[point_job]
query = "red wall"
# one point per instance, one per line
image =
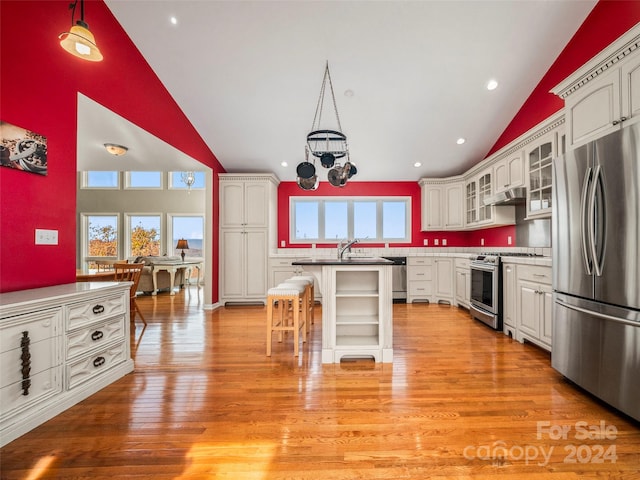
(39, 83)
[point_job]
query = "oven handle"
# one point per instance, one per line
(484, 267)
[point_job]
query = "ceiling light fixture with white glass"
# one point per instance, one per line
(79, 41)
(115, 149)
(460, 141)
(492, 84)
(326, 144)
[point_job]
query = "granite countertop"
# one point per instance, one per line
(344, 261)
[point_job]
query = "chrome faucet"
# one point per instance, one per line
(347, 246)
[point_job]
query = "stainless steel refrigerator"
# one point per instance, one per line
(596, 268)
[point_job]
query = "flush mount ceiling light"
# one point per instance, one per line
(460, 141)
(79, 41)
(115, 149)
(326, 144)
(492, 84)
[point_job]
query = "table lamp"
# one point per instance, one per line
(182, 244)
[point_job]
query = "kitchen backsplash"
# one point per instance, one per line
(408, 251)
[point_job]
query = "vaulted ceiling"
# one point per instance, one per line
(409, 76)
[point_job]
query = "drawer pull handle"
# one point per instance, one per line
(97, 335)
(98, 362)
(98, 309)
(420, 274)
(25, 341)
(539, 275)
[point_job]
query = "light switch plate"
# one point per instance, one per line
(46, 237)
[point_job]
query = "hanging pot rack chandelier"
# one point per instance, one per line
(328, 145)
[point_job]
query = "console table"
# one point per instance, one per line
(172, 268)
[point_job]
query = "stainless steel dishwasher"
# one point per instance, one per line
(399, 278)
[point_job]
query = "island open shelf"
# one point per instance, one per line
(357, 308)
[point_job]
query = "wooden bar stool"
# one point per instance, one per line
(308, 300)
(281, 298)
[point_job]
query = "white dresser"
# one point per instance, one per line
(59, 345)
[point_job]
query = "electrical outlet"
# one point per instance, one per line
(482, 242)
(46, 237)
(509, 242)
(444, 242)
(436, 242)
(283, 243)
(426, 241)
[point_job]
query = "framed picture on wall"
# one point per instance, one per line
(22, 149)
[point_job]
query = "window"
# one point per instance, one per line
(175, 181)
(143, 235)
(99, 238)
(99, 179)
(151, 180)
(191, 228)
(331, 219)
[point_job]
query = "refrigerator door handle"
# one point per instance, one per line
(604, 316)
(584, 221)
(597, 265)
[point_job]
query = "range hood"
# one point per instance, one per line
(511, 196)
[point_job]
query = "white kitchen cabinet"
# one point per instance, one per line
(247, 235)
(420, 277)
(430, 279)
(479, 215)
(534, 305)
(245, 201)
(59, 345)
(463, 282)
(243, 265)
(509, 172)
(442, 204)
(539, 157)
(509, 303)
(604, 94)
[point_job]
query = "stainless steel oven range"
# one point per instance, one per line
(486, 289)
(486, 286)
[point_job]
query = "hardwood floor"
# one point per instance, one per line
(459, 401)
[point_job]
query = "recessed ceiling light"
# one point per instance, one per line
(349, 93)
(492, 84)
(460, 141)
(284, 164)
(173, 20)
(417, 164)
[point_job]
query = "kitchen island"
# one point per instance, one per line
(357, 310)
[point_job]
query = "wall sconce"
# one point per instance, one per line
(115, 149)
(79, 41)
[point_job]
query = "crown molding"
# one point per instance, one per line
(601, 63)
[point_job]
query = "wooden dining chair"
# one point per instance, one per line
(130, 272)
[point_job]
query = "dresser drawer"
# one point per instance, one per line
(40, 325)
(85, 313)
(420, 273)
(86, 368)
(86, 339)
(43, 385)
(43, 355)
